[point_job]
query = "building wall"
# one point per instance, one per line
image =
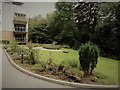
(8, 35)
(8, 16)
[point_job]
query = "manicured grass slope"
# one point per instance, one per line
(59, 56)
(105, 66)
(108, 67)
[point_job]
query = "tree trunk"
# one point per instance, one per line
(86, 73)
(91, 72)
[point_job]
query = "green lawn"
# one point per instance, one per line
(105, 67)
(108, 67)
(59, 56)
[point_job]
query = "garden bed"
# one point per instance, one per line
(62, 75)
(65, 66)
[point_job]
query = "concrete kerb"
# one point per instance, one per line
(57, 81)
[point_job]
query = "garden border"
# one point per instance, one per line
(61, 82)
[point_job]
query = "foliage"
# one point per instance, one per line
(88, 55)
(63, 24)
(39, 31)
(32, 56)
(86, 20)
(108, 30)
(6, 46)
(36, 45)
(51, 46)
(61, 67)
(5, 41)
(65, 46)
(71, 63)
(75, 23)
(13, 46)
(39, 67)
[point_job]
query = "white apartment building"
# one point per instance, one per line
(14, 22)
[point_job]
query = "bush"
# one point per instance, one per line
(6, 46)
(43, 65)
(5, 41)
(37, 45)
(65, 46)
(32, 55)
(61, 65)
(14, 46)
(39, 67)
(51, 46)
(88, 55)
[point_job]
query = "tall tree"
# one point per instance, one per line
(108, 30)
(39, 29)
(86, 19)
(64, 24)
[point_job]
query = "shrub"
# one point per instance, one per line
(37, 45)
(5, 41)
(51, 46)
(61, 65)
(43, 65)
(65, 46)
(6, 46)
(32, 55)
(88, 55)
(39, 67)
(14, 46)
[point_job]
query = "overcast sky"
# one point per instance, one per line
(36, 8)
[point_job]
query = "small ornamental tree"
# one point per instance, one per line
(32, 55)
(88, 55)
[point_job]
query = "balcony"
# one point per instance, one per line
(20, 19)
(19, 31)
(20, 40)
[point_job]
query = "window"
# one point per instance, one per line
(20, 38)
(20, 27)
(20, 14)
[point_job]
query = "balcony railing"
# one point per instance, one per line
(20, 18)
(20, 40)
(19, 30)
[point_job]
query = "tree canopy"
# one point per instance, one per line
(76, 23)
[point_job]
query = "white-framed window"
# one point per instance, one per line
(20, 38)
(20, 27)
(19, 14)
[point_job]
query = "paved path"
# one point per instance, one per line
(13, 78)
(41, 48)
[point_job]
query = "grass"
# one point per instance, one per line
(107, 69)
(59, 56)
